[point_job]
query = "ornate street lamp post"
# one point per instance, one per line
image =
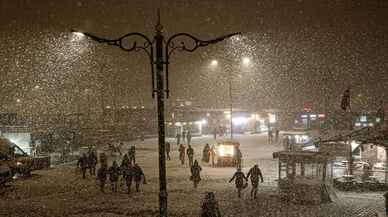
(159, 44)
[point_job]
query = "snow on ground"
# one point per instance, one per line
(61, 191)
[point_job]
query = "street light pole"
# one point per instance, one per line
(161, 135)
(231, 105)
(159, 61)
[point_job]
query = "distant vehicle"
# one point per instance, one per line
(343, 163)
(379, 166)
(226, 152)
(360, 164)
(18, 161)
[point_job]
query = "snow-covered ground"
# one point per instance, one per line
(61, 191)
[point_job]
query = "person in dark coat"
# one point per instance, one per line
(132, 154)
(125, 162)
(182, 154)
(103, 159)
(188, 137)
(238, 157)
(195, 173)
(255, 174)
(83, 164)
(92, 161)
(277, 135)
(210, 206)
(190, 155)
(102, 175)
(167, 148)
(206, 153)
(138, 175)
(128, 175)
(184, 136)
(240, 181)
(270, 136)
(114, 173)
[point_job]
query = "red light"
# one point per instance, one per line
(307, 109)
(321, 115)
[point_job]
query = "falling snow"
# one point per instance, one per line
(291, 56)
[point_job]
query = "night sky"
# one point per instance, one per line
(303, 53)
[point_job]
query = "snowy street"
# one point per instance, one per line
(62, 192)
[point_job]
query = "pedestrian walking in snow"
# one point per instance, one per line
(240, 181)
(206, 153)
(167, 148)
(132, 154)
(277, 135)
(138, 175)
(184, 136)
(190, 155)
(83, 164)
(92, 162)
(195, 173)
(188, 137)
(102, 175)
(270, 136)
(215, 133)
(125, 162)
(255, 175)
(238, 157)
(103, 159)
(114, 173)
(128, 175)
(210, 206)
(182, 154)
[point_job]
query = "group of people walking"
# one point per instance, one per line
(129, 170)
(241, 181)
(184, 137)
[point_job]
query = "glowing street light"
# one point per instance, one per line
(214, 63)
(246, 60)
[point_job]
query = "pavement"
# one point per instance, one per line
(61, 191)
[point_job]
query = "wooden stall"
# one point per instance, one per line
(302, 176)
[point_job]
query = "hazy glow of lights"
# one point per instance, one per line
(240, 121)
(214, 63)
(272, 118)
(225, 150)
(18, 100)
(178, 124)
(246, 60)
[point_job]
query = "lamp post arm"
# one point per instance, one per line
(135, 46)
(171, 47)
